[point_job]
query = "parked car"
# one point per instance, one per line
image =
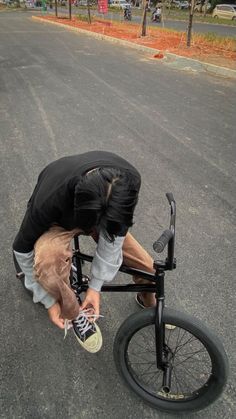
(175, 3)
(183, 5)
(180, 4)
(225, 11)
(83, 3)
(121, 4)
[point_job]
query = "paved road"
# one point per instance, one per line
(221, 30)
(64, 93)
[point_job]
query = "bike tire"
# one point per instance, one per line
(219, 361)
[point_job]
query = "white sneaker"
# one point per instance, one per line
(88, 334)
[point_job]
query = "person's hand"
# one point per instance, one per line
(91, 301)
(54, 313)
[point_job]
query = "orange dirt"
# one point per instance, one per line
(162, 40)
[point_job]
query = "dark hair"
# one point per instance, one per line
(106, 197)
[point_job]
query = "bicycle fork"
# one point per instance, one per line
(161, 351)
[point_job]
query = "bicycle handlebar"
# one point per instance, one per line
(168, 236)
(170, 197)
(163, 240)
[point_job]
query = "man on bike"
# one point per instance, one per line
(94, 194)
(156, 15)
(127, 12)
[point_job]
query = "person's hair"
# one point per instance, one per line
(106, 197)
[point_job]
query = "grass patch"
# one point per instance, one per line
(226, 43)
(210, 19)
(84, 18)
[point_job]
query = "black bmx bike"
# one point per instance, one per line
(168, 358)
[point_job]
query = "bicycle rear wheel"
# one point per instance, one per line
(197, 358)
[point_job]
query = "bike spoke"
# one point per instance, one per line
(179, 347)
(190, 362)
(177, 384)
(185, 343)
(156, 375)
(140, 355)
(142, 363)
(191, 357)
(186, 370)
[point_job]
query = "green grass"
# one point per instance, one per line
(84, 18)
(228, 43)
(210, 19)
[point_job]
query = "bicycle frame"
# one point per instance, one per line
(156, 285)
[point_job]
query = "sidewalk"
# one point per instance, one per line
(170, 59)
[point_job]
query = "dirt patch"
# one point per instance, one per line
(222, 54)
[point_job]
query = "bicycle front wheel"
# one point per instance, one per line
(199, 365)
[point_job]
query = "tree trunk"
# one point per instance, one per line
(169, 7)
(89, 14)
(190, 23)
(144, 19)
(205, 8)
(70, 9)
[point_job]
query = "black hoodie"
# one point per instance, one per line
(52, 201)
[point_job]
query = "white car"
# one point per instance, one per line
(225, 11)
(183, 5)
(121, 4)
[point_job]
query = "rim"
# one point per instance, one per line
(189, 358)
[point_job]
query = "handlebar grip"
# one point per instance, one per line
(170, 197)
(161, 243)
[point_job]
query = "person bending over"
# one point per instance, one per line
(94, 194)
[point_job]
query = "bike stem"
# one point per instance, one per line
(162, 361)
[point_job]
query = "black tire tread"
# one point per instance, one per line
(146, 317)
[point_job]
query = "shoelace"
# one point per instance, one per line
(81, 321)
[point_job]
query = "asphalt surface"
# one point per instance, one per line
(64, 93)
(218, 29)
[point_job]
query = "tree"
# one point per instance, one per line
(144, 18)
(89, 13)
(190, 22)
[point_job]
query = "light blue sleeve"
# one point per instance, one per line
(106, 262)
(26, 263)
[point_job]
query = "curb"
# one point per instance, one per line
(175, 61)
